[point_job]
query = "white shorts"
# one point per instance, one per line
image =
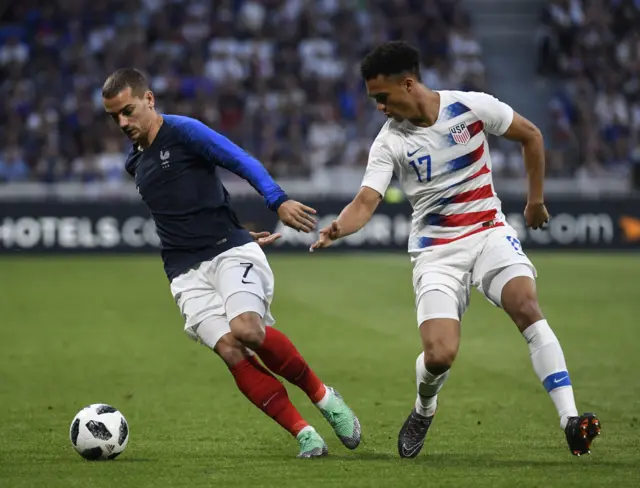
(473, 261)
(202, 293)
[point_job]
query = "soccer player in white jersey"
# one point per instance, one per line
(436, 143)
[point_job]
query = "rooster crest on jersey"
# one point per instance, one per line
(164, 159)
(460, 133)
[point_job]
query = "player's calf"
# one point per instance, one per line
(438, 360)
(280, 355)
(276, 350)
(262, 389)
(268, 394)
(515, 286)
(440, 334)
(519, 299)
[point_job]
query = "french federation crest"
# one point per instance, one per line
(164, 159)
(460, 133)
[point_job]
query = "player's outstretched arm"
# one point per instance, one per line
(353, 218)
(527, 134)
(217, 149)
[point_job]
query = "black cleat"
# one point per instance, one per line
(580, 432)
(412, 434)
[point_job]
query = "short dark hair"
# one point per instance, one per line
(391, 58)
(122, 79)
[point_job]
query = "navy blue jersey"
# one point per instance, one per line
(177, 179)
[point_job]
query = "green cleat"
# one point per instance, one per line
(311, 444)
(344, 422)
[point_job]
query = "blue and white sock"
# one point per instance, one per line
(549, 364)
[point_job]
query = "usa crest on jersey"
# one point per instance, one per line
(460, 133)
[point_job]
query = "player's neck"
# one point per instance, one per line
(153, 132)
(428, 108)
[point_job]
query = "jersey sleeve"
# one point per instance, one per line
(496, 115)
(379, 167)
(217, 149)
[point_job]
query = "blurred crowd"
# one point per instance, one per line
(591, 50)
(278, 77)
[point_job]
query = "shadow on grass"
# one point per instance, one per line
(442, 460)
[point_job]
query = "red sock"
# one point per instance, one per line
(268, 394)
(281, 356)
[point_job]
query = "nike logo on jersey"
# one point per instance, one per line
(409, 154)
(558, 380)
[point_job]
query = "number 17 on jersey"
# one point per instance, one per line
(422, 167)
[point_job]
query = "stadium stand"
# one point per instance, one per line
(591, 48)
(278, 77)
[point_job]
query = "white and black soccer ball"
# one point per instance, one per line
(99, 432)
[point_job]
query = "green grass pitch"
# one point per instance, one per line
(82, 330)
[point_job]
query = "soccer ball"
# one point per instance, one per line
(99, 432)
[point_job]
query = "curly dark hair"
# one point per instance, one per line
(121, 79)
(391, 58)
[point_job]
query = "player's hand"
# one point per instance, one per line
(297, 216)
(328, 236)
(265, 238)
(536, 215)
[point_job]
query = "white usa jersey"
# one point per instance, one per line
(444, 169)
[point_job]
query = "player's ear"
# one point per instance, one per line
(150, 98)
(408, 84)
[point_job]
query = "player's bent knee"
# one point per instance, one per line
(245, 312)
(230, 350)
(247, 328)
(440, 341)
(520, 301)
(439, 360)
(526, 312)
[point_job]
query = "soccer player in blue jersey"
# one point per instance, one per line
(219, 275)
